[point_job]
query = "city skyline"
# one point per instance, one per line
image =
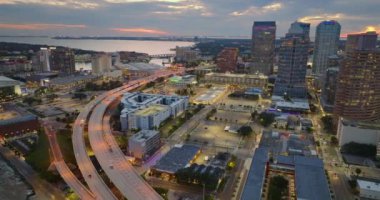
(177, 17)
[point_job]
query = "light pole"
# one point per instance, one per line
(204, 191)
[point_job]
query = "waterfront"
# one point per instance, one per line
(149, 47)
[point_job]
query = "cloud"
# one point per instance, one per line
(183, 7)
(313, 19)
(141, 31)
(40, 26)
(143, 1)
(76, 4)
(259, 10)
(368, 28)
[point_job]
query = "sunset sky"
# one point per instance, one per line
(225, 18)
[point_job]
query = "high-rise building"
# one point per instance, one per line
(62, 60)
(227, 59)
(44, 59)
(358, 89)
(363, 41)
(263, 41)
(329, 88)
(300, 28)
(101, 63)
(293, 57)
(326, 44)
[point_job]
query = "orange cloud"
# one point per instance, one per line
(141, 30)
(40, 26)
(370, 28)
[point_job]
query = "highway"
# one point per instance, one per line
(91, 176)
(126, 182)
(63, 169)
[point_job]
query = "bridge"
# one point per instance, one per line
(162, 56)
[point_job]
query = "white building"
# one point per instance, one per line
(143, 144)
(369, 189)
(359, 132)
(147, 111)
(101, 63)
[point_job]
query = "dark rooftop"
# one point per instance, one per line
(177, 158)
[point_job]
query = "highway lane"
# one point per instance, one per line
(91, 176)
(113, 161)
(96, 184)
(62, 167)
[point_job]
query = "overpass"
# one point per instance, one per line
(129, 181)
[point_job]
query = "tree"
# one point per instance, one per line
(334, 140)
(51, 97)
(266, 119)
(254, 114)
(328, 123)
(358, 171)
(245, 131)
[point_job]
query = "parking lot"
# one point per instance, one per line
(211, 134)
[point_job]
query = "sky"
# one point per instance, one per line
(218, 18)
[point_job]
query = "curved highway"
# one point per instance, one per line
(63, 169)
(126, 181)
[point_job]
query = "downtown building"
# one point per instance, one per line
(358, 87)
(101, 63)
(143, 144)
(53, 59)
(326, 45)
(147, 111)
(293, 57)
(227, 60)
(263, 45)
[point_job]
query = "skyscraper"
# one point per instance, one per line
(326, 44)
(358, 89)
(292, 62)
(227, 59)
(363, 41)
(62, 60)
(263, 41)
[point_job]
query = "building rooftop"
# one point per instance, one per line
(151, 110)
(306, 169)
(360, 124)
(256, 175)
(137, 66)
(261, 76)
(143, 135)
(8, 82)
(369, 185)
(293, 105)
(177, 158)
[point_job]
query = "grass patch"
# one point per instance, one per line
(162, 192)
(39, 158)
(65, 143)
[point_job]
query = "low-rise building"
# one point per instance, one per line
(17, 122)
(147, 111)
(359, 132)
(9, 86)
(183, 81)
(369, 189)
(180, 156)
(299, 169)
(144, 144)
(250, 80)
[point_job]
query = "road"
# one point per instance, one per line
(43, 190)
(91, 176)
(96, 184)
(62, 167)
